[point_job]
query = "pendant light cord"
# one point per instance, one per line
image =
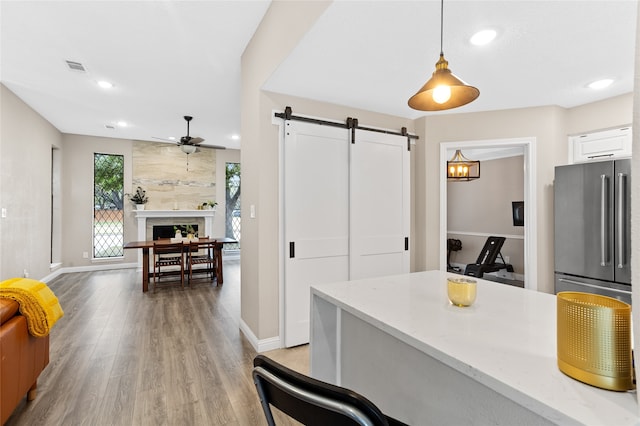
(441, 25)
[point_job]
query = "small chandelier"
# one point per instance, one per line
(461, 168)
(443, 90)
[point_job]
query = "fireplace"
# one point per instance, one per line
(169, 231)
(147, 219)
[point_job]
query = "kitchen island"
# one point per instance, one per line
(399, 342)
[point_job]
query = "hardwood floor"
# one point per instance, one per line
(176, 357)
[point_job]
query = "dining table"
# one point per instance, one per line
(146, 245)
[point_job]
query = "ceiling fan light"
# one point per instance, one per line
(188, 149)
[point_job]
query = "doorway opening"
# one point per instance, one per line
(527, 147)
(56, 209)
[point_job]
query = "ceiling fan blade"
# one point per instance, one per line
(212, 146)
(196, 140)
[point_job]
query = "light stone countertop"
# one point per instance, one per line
(506, 340)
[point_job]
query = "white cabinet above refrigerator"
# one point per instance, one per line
(597, 146)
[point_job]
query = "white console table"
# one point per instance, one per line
(400, 343)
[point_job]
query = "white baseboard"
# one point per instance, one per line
(231, 255)
(263, 345)
(88, 268)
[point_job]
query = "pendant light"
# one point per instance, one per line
(443, 90)
(461, 168)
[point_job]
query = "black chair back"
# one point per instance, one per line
(310, 401)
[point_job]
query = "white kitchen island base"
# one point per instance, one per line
(400, 343)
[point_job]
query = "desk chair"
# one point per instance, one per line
(310, 401)
(167, 255)
(201, 253)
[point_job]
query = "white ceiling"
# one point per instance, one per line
(173, 58)
(167, 59)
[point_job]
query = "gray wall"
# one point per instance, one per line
(26, 141)
(77, 196)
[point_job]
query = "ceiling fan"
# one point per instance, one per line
(187, 141)
(189, 144)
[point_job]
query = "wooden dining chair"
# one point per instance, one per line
(202, 253)
(166, 255)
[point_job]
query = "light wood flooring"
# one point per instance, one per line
(176, 357)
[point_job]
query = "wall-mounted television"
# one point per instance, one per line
(517, 210)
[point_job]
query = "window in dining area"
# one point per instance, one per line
(108, 196)
(232, 213)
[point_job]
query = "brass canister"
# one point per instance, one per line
(594, 340)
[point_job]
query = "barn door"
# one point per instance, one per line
(379, 205)
(316, 218)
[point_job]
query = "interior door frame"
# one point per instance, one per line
(530, 199)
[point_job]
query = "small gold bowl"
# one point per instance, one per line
(461, 291)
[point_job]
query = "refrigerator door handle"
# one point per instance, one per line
(621, 223)
(604, 210)
(615, 290)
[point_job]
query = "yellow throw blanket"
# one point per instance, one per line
(37, 302)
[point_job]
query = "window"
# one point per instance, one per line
(108, 195)
(232, 198)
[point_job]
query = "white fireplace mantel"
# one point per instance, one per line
(143, 215)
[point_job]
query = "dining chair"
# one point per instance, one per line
(166, 255)
(310, 401)
(202, 253)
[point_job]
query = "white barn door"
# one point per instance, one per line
(379, 205)
(316, 218)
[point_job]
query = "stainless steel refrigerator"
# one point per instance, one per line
(592, 228)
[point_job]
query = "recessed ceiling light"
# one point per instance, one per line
(122, 124)
(105, 84)
(235, 137)
(483, 37)
(173, 138)
(600, 84)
